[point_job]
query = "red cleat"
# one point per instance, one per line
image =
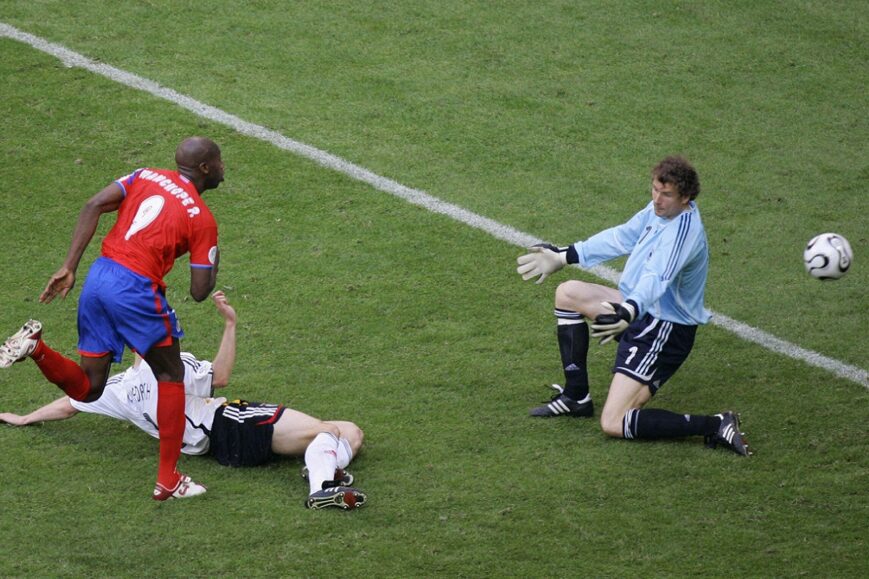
(21, 344)
(185, 489)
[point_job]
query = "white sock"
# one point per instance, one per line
(345, 452)
(321, 458)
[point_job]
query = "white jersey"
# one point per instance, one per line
(132, 396)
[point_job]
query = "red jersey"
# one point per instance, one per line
(161, 218)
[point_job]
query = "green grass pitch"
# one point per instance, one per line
(353, 304)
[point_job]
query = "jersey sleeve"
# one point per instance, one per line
(613, 242)
(678, 244)
(198, 376)
(203, 241)
(127, 180)
(106, 404)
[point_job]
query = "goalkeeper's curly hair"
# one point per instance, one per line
(678, 171)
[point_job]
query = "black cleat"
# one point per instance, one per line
(728, 435)
(347, 498)
(342, 477)
(561, 405)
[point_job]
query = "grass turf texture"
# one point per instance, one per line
(355, 305)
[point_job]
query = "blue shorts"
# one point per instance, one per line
(118, 308)
(651, 350)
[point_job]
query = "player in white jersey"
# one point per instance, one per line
(653, 315)
(235, 433)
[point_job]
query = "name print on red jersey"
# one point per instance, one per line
(170, 187)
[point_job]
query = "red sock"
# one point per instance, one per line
(170, 418)
(60, 370)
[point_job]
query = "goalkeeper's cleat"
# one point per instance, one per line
(561, 405)
(342, 477)
(347, 498)
(728, 435)
(21, 344)
(184, 489)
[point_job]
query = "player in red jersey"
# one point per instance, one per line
(161, 216)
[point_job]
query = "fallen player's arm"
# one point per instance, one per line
(60, 409)
(224, 361)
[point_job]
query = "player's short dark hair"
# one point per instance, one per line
(678, 171)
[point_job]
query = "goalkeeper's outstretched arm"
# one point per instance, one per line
(543, 260)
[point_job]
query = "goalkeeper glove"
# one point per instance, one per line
(616, 318)
(544, 259)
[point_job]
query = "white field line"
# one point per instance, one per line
(414, 196)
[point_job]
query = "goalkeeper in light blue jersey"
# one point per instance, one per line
(653, 315)
(665, 274)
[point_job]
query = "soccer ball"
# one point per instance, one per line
(828, 256)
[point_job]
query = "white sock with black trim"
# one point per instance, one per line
(321, 458)
(345, 452)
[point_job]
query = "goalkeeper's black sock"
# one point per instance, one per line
(573, 344)
(655, 423)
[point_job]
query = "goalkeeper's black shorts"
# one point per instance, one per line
(241, 434)
(651, 350)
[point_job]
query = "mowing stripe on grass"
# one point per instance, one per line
(415, 196)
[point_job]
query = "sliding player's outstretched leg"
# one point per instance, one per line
(21, 344)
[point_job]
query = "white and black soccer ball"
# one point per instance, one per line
(828, 256)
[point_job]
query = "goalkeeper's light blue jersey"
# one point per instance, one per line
(665, 274)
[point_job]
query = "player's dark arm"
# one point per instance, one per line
(203, 279)
(106, 201)
(60, 409)
(63, 280)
